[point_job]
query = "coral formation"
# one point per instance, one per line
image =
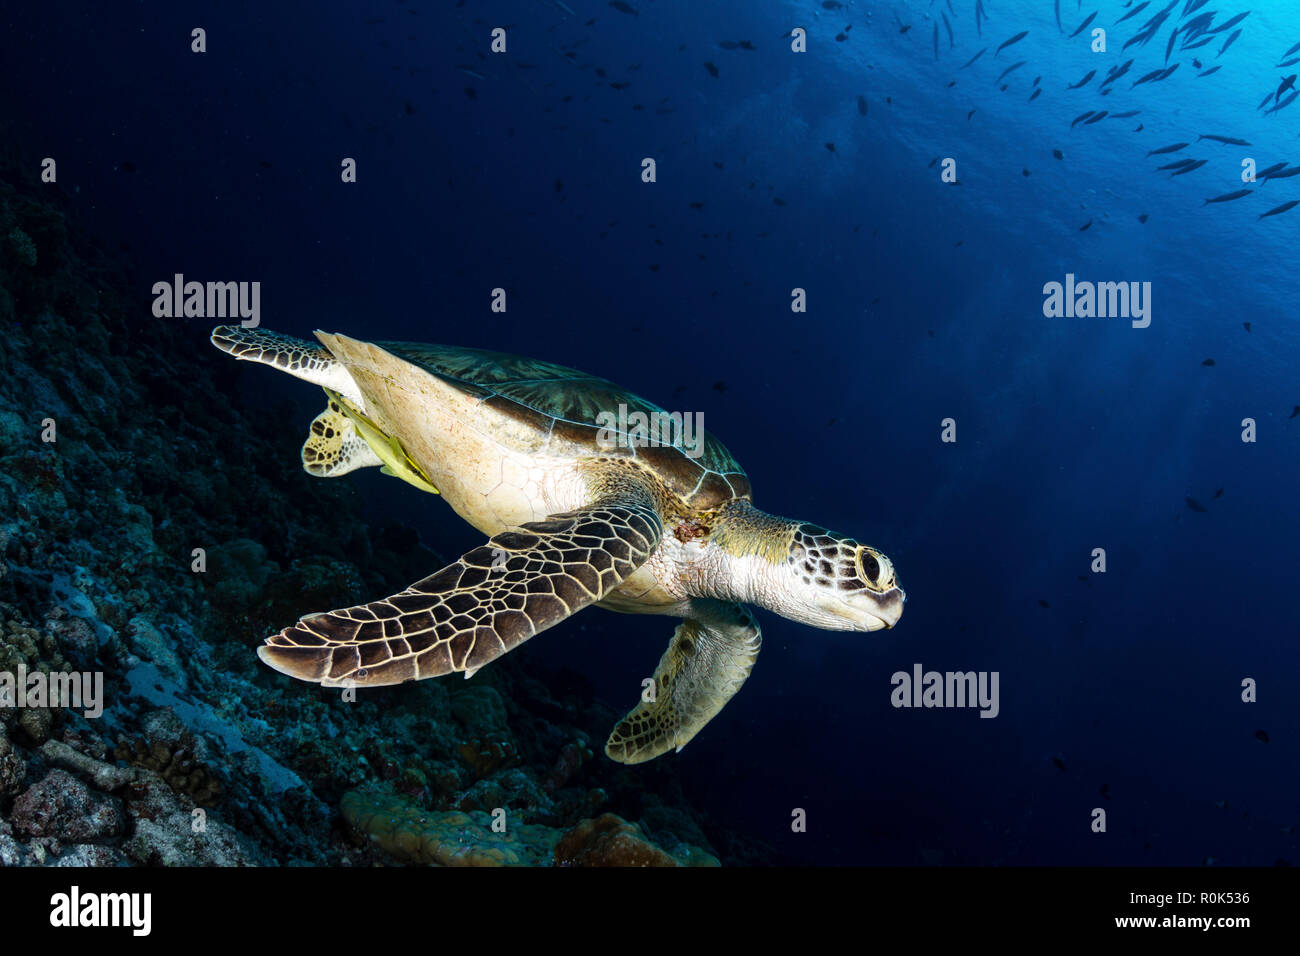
(573, 756)
(609, 840)
(62, 807)
(20, 643)
(21, 247)
(100, 775)
(175, 764)
(453, 838)
(480, 710)
(167, 832)
(480, 838)
(486, 757)
(13, 769)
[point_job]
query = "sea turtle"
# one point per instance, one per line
(581, 505)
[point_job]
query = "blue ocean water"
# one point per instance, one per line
(523, 170)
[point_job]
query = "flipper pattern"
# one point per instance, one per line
(476, 609)
(707, 661)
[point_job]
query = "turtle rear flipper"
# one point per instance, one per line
(707, 661)
(473, 611)
(333, 447)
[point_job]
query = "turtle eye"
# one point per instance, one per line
(868, 566)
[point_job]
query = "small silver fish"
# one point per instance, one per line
(1116, 73)
(1148, 78)
(1228, 197)
(1011, 68)
(1228, 25)
(1277, 211)
(1135, 11)
(1285, 103)
(1286, 173)
(1015, 39)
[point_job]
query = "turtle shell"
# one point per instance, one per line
(588, 416)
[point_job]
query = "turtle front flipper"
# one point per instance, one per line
(707, 661)
(473, 611)
(305, 360)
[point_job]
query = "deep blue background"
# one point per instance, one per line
(925, 302)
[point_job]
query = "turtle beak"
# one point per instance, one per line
(886, 608)
(866, 611)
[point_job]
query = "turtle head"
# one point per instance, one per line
(806, 573)
(838, 584)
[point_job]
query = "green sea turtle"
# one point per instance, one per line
(554, 466)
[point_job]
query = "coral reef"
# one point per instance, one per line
(62, 807)
(453, 838)
(175, 763)
(480, 838)
(610, 840)
(20, 246)
(572, 757)
(100, 775)
(13, 769)
(486, 757)
(166, 831)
